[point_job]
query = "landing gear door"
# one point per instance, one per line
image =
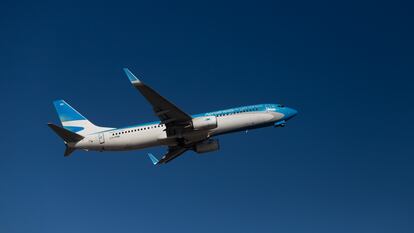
(101, 138)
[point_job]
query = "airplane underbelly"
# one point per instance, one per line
(235, 122)
(144, 140)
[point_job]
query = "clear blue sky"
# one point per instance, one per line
(344, 164)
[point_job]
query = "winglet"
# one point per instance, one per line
(131, 76)
(154, 160)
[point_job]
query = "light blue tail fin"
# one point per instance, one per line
(73, 121)
(66, 112)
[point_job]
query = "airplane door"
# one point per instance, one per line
(101, 138)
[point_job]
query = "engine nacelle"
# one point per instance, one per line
(207, 146)
(205, 122)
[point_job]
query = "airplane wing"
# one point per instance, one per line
(173, 152)
(169, 114)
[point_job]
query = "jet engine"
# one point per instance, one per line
(207, 146)
(206, 122)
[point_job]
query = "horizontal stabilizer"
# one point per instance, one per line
(65, 134)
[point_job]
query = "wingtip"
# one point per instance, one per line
(132, 78)
(154, 160)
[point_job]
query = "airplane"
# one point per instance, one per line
(176, 129)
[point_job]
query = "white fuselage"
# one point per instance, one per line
(154, 134)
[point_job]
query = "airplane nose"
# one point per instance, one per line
(289, 113)
(294, 112)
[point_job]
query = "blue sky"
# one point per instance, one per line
(344, 164)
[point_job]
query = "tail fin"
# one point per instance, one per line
(73, 121)
(67, 136)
